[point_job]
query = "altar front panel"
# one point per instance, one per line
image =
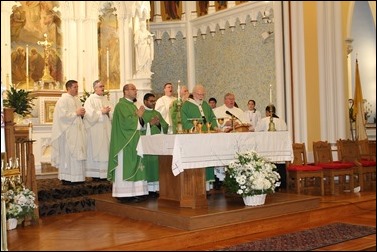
(191, 151)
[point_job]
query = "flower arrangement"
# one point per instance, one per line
(250, 174)
(20, 203)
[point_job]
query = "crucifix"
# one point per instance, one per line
(47, 78)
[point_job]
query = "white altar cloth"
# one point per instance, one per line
(191, 151)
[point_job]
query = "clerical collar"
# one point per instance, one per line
(199, 103)
(150, 109)
(129, 100)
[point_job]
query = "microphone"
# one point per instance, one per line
(228, 113)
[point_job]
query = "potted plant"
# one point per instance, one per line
(20, 203)
(19, 99)
(251, 176)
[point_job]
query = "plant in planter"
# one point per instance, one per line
(19, 99)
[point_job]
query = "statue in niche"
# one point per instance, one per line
(144, 50)
(172, 10)
(202, 8)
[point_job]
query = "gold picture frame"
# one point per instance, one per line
(47, 107)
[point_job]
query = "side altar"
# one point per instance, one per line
(182, 158)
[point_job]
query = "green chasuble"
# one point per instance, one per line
(151, 161)
(125, 136)
(191, 110)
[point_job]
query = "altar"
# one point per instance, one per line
(181, 156)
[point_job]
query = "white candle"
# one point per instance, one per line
(179, 90)
(270, 94)
(27, 66)
(107, 63)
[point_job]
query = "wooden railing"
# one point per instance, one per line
(19, 146)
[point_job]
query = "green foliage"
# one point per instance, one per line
(20, 100)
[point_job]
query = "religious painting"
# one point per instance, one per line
(46, 108)
(36, 41)
(221, 5)
(202, 8)
(108, 47)
(171, 10)
(241, 2)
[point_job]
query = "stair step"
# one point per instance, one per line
(54, 198)
(66, 205)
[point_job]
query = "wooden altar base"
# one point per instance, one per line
(222, 210)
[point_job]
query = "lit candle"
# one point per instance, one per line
(179, 90)
(270, 94)
(27, 67)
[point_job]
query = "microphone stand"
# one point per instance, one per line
(233, 118)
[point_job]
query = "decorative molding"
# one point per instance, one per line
(211, 21)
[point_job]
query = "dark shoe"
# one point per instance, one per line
(138, 199)
(125, 199)
(65, 182)
(154, 195)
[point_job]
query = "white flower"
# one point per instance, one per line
(250, 174)
(20, 202)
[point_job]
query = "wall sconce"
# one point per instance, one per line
(265, 35)
(203, 35)
(232, 28)
(222, 30)
(243, 26)
(349, 45)
(266, 20)
(194, 38)
(172, 40)
(254, 22)
(158, 41)
(213, 33)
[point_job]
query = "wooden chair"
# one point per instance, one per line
(367, 149)
(333, 169)
(301, 176)
(365, 168)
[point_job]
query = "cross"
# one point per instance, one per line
(45, 43)
(46, 75)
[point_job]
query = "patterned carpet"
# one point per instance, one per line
(308, 239)
(55, 198)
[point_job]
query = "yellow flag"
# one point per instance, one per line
(358, 108)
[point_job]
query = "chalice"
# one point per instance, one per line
(200, 125)
(195, 123)
(208, 124)
(221, 122)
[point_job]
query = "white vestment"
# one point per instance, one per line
(253, 116)
(163, 105)
(220, 112)
(98, 129)
(123, 188)
(68, 140)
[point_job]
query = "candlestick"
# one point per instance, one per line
(30, 131)
(108, 68)
(179, 90)
(270, 94)
(27, 67)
